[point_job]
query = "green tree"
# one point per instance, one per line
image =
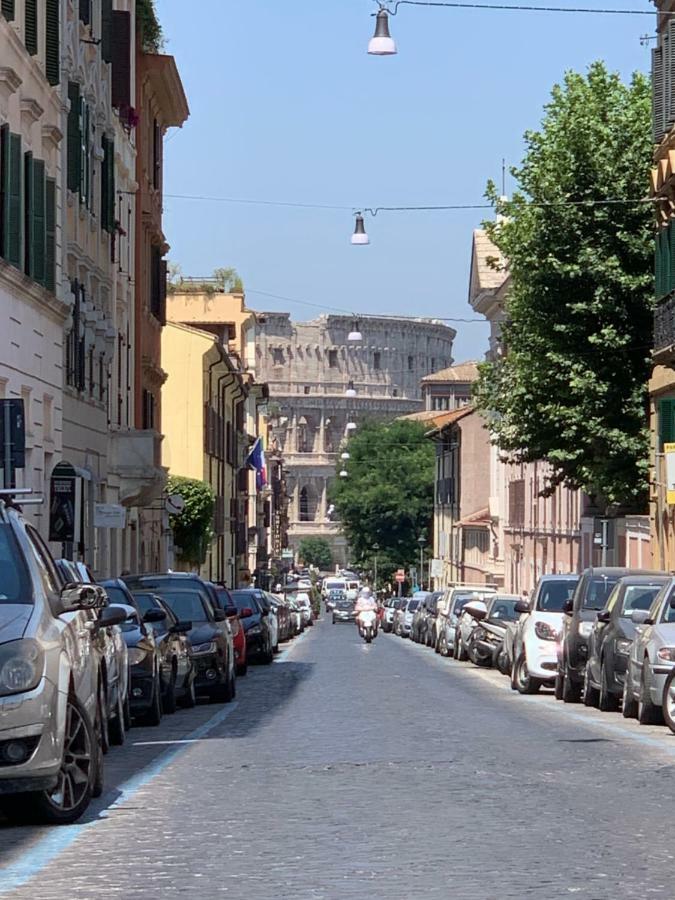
(316, 552)
(229, 281)
(387, 497)
(571, 387)
(193, 528)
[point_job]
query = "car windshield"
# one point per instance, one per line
(116, 594)
(15, 585)
(638, 596)
(412, 605)
(460, 600)
(599, 589)
(344, 604)
(145, 602)
(552, 595)
(187, 605)
(245, 600)
(504, 608)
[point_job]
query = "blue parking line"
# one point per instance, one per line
(60, 838)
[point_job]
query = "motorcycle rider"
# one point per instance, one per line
(365, 603)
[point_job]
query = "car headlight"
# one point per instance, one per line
(254, 629)
(479, 634)
(623, 646)
(21, 666)
(546, 632)
(207, 647)
(136, 656)
(585, 628)
(667, 654)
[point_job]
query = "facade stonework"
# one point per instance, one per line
(309, 366)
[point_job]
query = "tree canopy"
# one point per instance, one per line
(571, 385)
(387, 497)
(193, 528)
(315, 551)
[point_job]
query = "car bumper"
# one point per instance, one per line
(657, 682)
(542, 659)
(343, 617)
(23, 718)
(207, 670)
(142, 684)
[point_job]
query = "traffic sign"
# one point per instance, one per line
(174, 504)
(400, 575)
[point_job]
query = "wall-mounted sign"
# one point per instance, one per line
(174, 504)
(110, 515)
(63, 514)
(669, 451)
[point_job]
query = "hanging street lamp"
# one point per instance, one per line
(351, 390)
(360, 237)
(382, 43)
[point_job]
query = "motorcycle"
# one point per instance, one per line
(368, 625)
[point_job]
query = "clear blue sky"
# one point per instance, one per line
(286, 105)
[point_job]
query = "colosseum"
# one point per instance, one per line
(309, 367)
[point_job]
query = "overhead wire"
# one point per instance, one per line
(392, 8)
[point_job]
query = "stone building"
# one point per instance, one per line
(309, 366)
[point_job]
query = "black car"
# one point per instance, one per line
(589, 598)
(333, 597)
(343, 611)
(253, 608)
(610, 641)
(177, 668)
(210, 638)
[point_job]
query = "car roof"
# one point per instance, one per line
(618, 570)
(645, 579)
(563, 576)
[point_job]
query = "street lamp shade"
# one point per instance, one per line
(345, 455)
(421, 540)
(344, 473)
(351, 426)
(351, 390)
(382, 43)
(360, 237)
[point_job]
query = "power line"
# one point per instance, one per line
(521, 8)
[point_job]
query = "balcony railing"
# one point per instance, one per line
(664, 326)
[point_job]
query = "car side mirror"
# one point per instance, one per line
(76, 597)
(112, 615)
(522, 606)
(154, 615)
(219, 615)
(568, 607)
(478, 614)
(604, 615)
(231, 612)
(641, 617)
(181, 628)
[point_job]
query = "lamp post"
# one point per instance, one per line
(421, 540)
(376, 548)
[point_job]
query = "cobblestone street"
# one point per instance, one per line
(329, 778)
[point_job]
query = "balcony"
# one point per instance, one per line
(135, 459)
(664, 331)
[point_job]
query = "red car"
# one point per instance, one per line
(238, 633)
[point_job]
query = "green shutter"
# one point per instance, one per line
(52, 42)
(106, 30)
(104, 184)
(666, 422)
(31, 27)
(12, 247)
(657, 267)
(8, 9)
(111, 186)
(50, 234)
(38, 242)
(29, 185)
(74, 140)
(671, 257)
(665, 261)
(4, 187)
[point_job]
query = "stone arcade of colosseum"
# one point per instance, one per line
(308, 366)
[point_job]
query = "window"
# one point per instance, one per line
(304, 506)
(394, 393)
(411, 363)
(148, 410)
(75, 346)
(517, 503)
(45, 564)
(31, 27)
(666, 411)
(277, 356)
(158, 284)
(433, 364)
(307, 389)
(377, 360)
(156, 154)
(120, 44)
(332, 359)
(108, 185)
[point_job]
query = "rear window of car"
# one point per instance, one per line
(638, 596)
(504, 608)
(412, 605)
(188, 606)
(116, 595)
(552, 595)
(245, 600)
(15, 584)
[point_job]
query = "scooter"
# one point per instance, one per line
(368, 625)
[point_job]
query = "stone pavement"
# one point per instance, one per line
(348, 771)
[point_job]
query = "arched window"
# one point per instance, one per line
(304, 506)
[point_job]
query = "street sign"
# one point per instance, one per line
(287, 554)
(669, 451)
(400, 576)
(110, 515)
(174, 504)
(436, 568)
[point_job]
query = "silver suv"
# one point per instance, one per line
(51, 760)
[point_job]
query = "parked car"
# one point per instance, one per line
(304, 601)
(210, 637)
(389, 608)
(448, 610)
(530, 642)
(111, 648)
(343, 611)
(651, 658)
(418, 627)
(590, 596)
(428, 624)
(168, 628)
(610, 640)
(255, 619)
(406, 618)
(296, 618)
(282, 612)
(487, 638)
(227, 604)
(399, 612)
(51, 761)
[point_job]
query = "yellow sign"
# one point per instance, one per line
(669, 452)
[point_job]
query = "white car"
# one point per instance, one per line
(305, 604)
(535, 636)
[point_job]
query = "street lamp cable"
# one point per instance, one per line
(393, 8)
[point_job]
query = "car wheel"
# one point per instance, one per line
(558, 689)
(117, 730)
(648, 712)
(189, 698)
(669, 701)
(72, 794)
(502, 662)
(242, 670)
(127, 713)
(169, 696)
(608, 701)
(591, 694)
(231, 686)
(629, 707)
(154, 715)
(105, 729)
(460, 652)
(571, 691)
(97, 783)
(525, 684)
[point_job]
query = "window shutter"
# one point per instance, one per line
(38, 243)
(665, 260)
(85, 11)
(657, 266)
(52, 42)
(111, 186)
(4, 187)
(29, 185)
(666, 422)
(156, 154)
(106, 30)
(31, 27)
(155, 267)
(74, 139)
(50, 234)
(104, 184)
(8, 9)
(658, 95)
(13, 250)
(84, 152)
(162, 290)
(121, 59)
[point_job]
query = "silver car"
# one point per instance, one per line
(454, 601)
(651, 658)
(51, 762)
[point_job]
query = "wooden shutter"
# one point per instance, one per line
(156, 154)
(38, 237)
(121, 59)
(31, 27)
(658, 95)
(162, 290)
(14, 246)
(28, 185)
(50, 234)
(104, 185)
(85, 11)
(657, 267)
(106, 30)
(4, 187)
(155, 266)
(666, 422)
(74, 138)
(52, 42)
(112, 198)
(665, 261)
(8, 9)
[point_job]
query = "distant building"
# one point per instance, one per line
(450, 388)
(308, 367)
